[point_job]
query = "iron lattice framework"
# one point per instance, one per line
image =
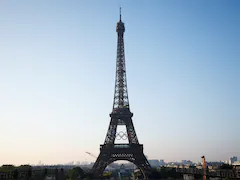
(121, 115)
(120, 94)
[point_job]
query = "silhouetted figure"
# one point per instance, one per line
(61, 175)
(56, 174)
(15, 174)
(45, 173)
(29, 174)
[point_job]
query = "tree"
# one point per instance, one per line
(88, 175)
(226, 166)
(7, 168)
(76, 173)
(24, 167)
(15, 174)
(155, 174)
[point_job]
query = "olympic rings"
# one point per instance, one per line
(121, 135)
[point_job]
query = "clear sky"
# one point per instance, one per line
(57, 70)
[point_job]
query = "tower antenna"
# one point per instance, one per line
(120, 13)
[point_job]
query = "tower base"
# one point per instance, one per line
(114, 152)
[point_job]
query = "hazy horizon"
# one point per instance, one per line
(57, 78)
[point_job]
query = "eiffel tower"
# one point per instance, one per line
(121, 115)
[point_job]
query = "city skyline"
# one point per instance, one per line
(161, 162)
(57, 78)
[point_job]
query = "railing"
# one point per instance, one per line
(58, 174)
(216, 173)
(32, 174)
(121, 146)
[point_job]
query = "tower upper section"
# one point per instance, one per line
(120, 95)
(120, 25)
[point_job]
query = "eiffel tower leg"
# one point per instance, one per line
(100, 164)
(142, 163)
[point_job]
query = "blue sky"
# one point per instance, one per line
(58, 68)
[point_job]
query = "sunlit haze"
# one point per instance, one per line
(57, 75)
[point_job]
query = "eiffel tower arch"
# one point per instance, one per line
(121, 115)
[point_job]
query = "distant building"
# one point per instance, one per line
(122, 169)
(199, 166)
(154, 162)
(236, 166)
(161, 162)
(187, 162)
(233, 159)
(214, 165)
